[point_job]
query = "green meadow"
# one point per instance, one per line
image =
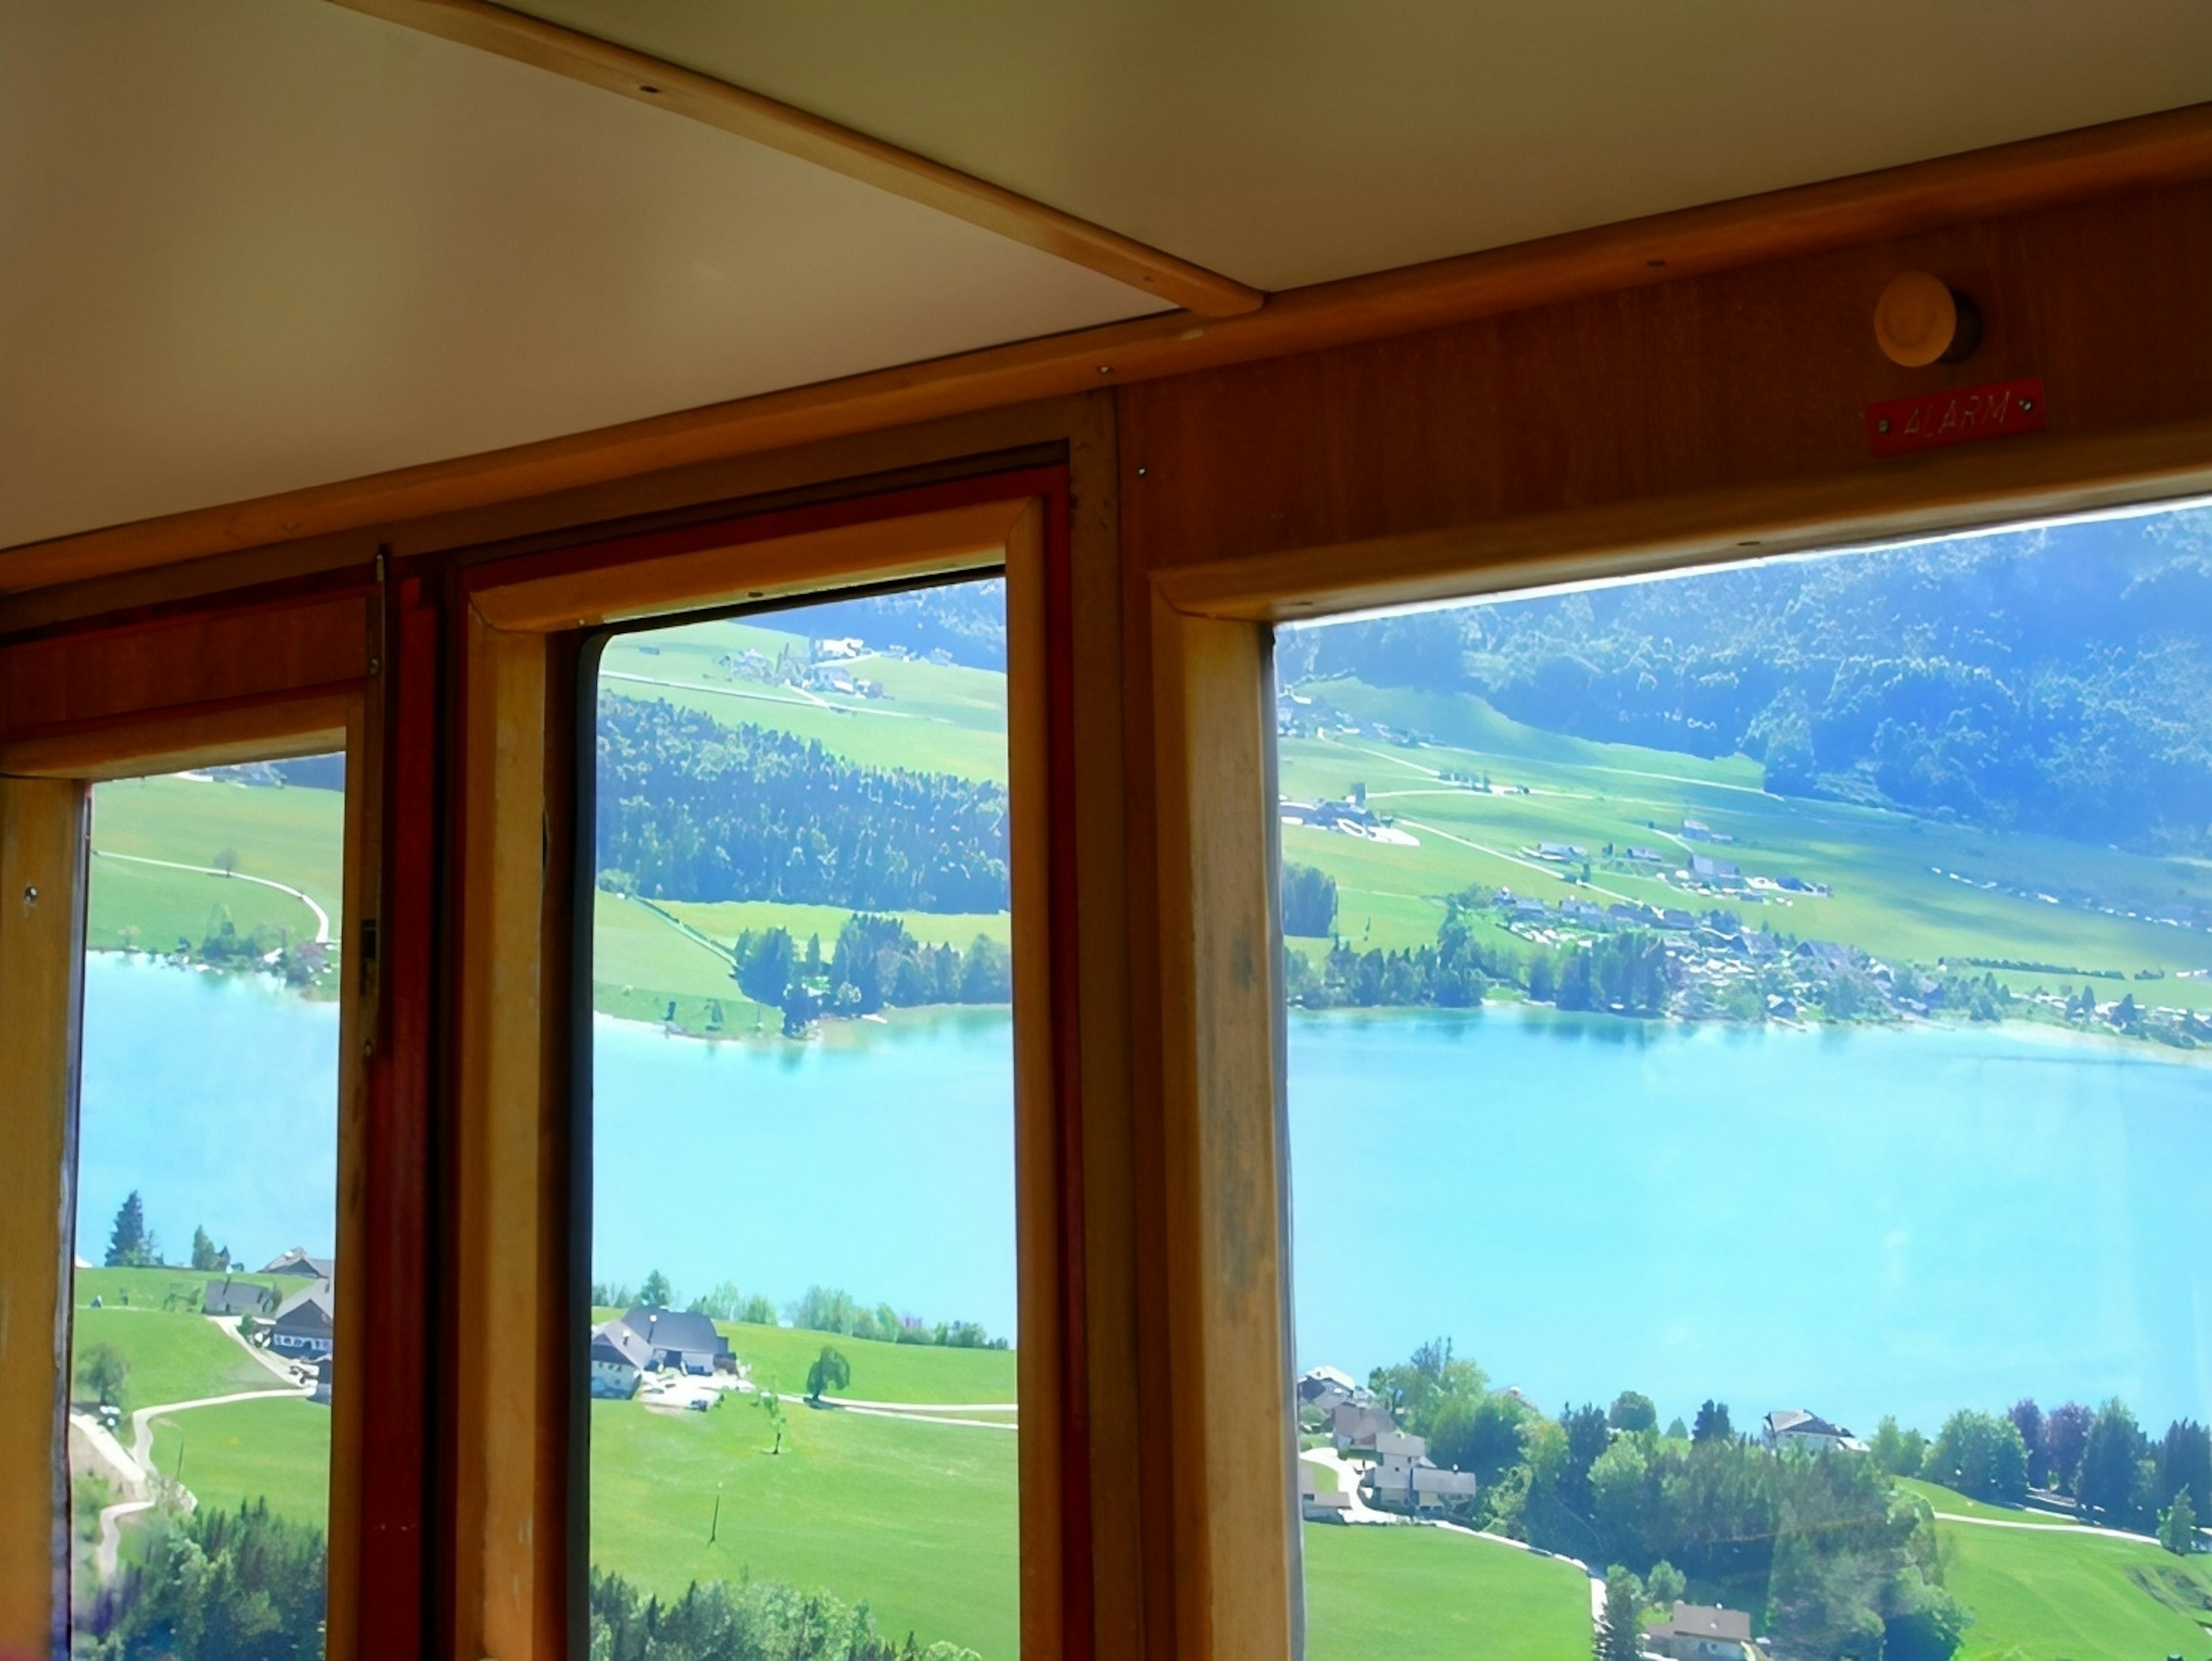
(293, 836)
(917, 1520)
(1893, 893)
(278, 1450)
(1425, 1594)
(2047, 1595)
(932, 717)
(172, 1357)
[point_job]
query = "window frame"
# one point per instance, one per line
(46, 781)
(518, 1437)
(1223, 1026)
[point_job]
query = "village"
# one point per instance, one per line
(1356, 1467)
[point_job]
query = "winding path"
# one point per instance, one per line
(322, 917)
(135, 1466)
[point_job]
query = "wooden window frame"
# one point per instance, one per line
(1239, 1591)
(46, 827)
(516, 1434)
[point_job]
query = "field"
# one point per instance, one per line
(916, 1520)
(1904, 887)
(2042, 1595)
(172, 1357)
(1952, 1504)
(292, 835)
(279, 1451)
(1416, 1594)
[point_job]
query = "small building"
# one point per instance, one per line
(1720, 873)
(302, 1326)
(229, 1297)
(1357, 1424)
(676, 1338)
(1701, 1632)
(1788, 1429)
(297, 1261)
(1404, 1479)
(1325, 1389)
(1317, 1504)
(326, 1371)
(619, 1358)
(1696, 831)
(1560, 853)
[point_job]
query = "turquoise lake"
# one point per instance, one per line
(1862, 1222)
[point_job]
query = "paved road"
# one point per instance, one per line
(2045, 1528)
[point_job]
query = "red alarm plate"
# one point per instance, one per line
(1935, 419)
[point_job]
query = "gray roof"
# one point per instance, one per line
(612, 1342)
(307, 1311)
(228, 1296)
(1705, 1620)
(297, 1261)
(676, 1329)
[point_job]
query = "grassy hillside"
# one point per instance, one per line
(779, 1358)
(1416, 1594)
(172, 1357)
(1904, 887)
(2044, 1595)
(294, 836)
(279, 1451)
(918, 1520)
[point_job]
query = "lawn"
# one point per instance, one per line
(2045, 1595)
(1421, 1594)
(779, 1358)
(1957, 1505)
(276, 1450)
(292, 835)
(933, 718)
(159, 1288)
(172, 1357)
(917, 1520)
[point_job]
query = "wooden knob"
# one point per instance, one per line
(1922, 319)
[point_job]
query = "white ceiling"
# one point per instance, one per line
(251, 245)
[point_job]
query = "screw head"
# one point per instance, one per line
(2027, 403)
(1882, 426)
(30, 895)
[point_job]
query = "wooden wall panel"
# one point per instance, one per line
(1743, 377)
(215, 659)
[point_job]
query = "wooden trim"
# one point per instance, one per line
(42, 847)
(2139, 154)
(2023, 479)
(724, 562)
(508, 1563)
(664, 85)
(1042, 1382)
(169, 743)
(1227, 1199)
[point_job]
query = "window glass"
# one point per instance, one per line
(803, 1424)
(1749, 1112)
(207, 1178)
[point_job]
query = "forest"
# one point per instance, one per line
(2052, 679)
(1838, 1561)
(752, 1621)
(692, 809)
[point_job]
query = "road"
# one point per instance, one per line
(2045, 1528)
(135, 1466)
(322, 917)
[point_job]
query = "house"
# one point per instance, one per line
(1788, 1429)
(1696, 831)
(1560, 852)
(229, 1297)
(1325, 1389)
(297, 1261)
(679, 1339)
(1357, 1424)
(302, 1325)
(1647, 856)
(1676, 918)
(1701, 1632)
(1719, 873)
(1403, 1478)
(1317, 1504)
(619, 1358)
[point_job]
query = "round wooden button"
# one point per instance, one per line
(1916, 321)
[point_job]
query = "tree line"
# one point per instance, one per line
(750, 1620)
(821, 1309)
(1836, 1561)
(875, 963)
(215, 1586)
(690, 809)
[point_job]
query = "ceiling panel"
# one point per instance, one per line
(254, 245)
(1287, 142)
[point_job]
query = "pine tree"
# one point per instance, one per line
(2177, 1527)
(131, 1246)
(1620, 1637)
